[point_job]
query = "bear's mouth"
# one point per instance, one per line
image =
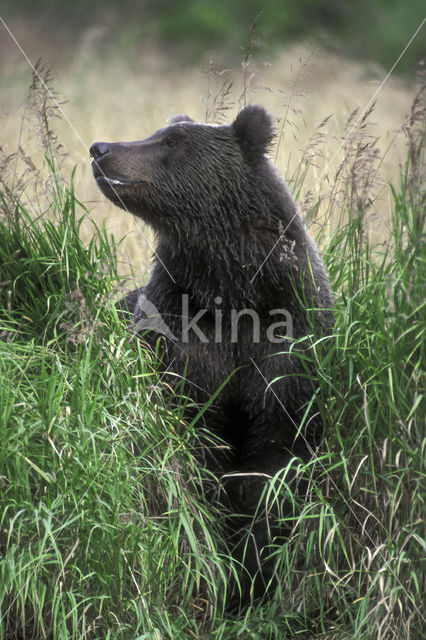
(115, 181)
(101, 177)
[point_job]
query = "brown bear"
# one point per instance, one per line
(237, 293)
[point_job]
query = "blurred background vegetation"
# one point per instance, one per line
(121, 69)
(373, 29)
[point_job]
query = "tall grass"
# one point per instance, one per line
(105, 531)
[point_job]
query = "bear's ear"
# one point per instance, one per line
(179, 118)
(254, 129)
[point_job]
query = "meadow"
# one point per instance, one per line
(105, 531)
(127, 93)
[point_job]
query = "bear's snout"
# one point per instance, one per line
(99, 149)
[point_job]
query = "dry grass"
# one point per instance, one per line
(313, 95)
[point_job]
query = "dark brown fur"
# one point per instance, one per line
(230, 237)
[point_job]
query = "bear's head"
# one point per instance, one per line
(189, 177)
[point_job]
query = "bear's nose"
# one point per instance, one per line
(99, 149)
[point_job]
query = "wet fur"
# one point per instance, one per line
(219, 210)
